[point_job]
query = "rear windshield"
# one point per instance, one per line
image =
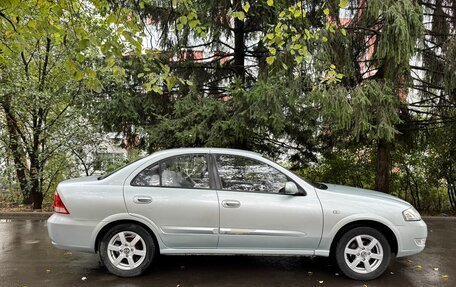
(108, 174)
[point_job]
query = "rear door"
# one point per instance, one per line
(254, 214)
(177, 194)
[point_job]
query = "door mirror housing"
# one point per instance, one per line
(292, 189)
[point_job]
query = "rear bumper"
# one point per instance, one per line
(411, 234)
(70, 234)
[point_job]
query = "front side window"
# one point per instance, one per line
(243, 174)
(187, 171)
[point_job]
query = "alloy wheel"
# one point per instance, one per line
(363, 254)
(126, 250)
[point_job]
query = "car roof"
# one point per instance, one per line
(212, 150)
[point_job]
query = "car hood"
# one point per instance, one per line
(354, 191)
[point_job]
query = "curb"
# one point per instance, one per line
(25, 215)
(443, 218)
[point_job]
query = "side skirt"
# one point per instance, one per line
(233, 251)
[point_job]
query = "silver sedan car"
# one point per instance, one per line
(225, 201)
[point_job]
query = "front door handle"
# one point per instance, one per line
(231, 203)
(142, 199)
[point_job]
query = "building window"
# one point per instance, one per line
(349, 11)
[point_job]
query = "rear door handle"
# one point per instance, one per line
(231, 203)
(142, 199)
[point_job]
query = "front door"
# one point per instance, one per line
(256, 214)
(176, 194)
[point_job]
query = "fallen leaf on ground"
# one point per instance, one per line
(445, 277)
(391, 272)
(409, 261)
(48, 270)
(419, 267)
(84, 278)
(321, 282)
(337, 274)
(436, 269)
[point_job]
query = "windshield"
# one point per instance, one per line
(314, 184)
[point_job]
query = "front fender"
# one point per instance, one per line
(329, 232)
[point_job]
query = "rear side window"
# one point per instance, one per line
(150, 176)
(187, 171)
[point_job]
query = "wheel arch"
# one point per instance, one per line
(381, 227)
(111, 224)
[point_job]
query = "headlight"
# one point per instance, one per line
(411, 214)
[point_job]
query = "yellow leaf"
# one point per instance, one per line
(193, 23)
(343, 31)
(270, 60)
(183, 19)
(270, 2)
(246, 7)
(326, 11)
(445, 277)
(31, 23)
(343, 3)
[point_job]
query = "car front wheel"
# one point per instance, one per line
(363, 253)
(127, 250)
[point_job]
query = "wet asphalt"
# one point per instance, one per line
(27, 258)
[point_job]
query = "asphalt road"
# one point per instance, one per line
(27, 258)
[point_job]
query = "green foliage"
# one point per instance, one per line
(368, 110)
(50, 53)
(349, 166)
(402, 27)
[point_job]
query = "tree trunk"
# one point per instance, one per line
(35, 183)
(382, 172)
(16, 151)
(239, 45)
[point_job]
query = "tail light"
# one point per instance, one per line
(59, 207)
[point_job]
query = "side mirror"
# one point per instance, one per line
(291, 188)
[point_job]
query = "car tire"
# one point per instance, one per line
(363, 253)
(127, 250)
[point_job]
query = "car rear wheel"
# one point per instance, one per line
(127, 250)
(363, 253)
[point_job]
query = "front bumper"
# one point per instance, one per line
(70, 234)
(413, 235)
